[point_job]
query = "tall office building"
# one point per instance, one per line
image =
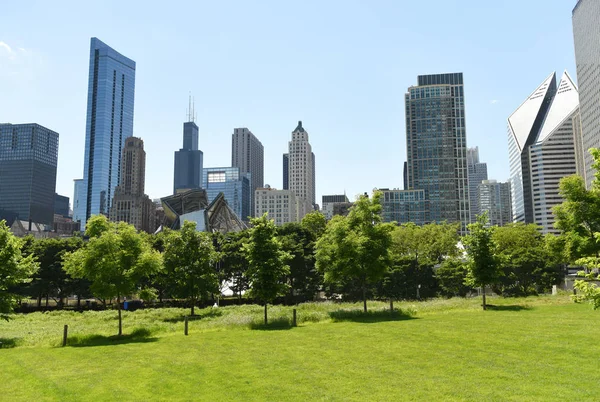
(234, 185)
(247, 153)
(28, 160)
(586, 33)
(283, 206)
(187, 172)
(130, 204)
(300, 172)
(286, 171)
(328, 203)
(437, 146)
(404, 206)
(61, 205)
(494, 198)
(109, 123)
(477, 173)
(541, 142)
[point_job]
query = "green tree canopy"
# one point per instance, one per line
(115, 260)
(452, 275)
(356, 247)
(267, 261)
(14, 269)
(190, 258)
(429, 243)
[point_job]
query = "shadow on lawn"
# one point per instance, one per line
(513, 307)
(277, 324)
(204, 314)
(139, 335)
(8, 343)
(370, 316)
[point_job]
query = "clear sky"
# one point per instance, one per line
(340, 66)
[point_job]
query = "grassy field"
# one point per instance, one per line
(523, 349)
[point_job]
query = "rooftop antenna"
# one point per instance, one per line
(191, 116)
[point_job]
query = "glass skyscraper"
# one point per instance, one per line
(477, 173)
(188, 160)
(235, 186)
(247, 153)
(111, 87)
(436, 143)
(28, 159)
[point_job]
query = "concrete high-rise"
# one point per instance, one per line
(111, 88)
(300, 171)
(130, 204)
(247, 153)
(586, 34)
(187, 172)
(494, 198)
(477, 173)
(437, 146)
(328, 203)
(28, 160)
(541, 142)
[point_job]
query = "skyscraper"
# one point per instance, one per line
(541, 142)
(247, 153)
(286, 171)
(586, 34)
(300, 171)
(28, 159)
(130, 204)
(328, 202)
(189, 159)
(477, 173)
(109, 123)
(234, 185)
(437, 146)
(494, 198)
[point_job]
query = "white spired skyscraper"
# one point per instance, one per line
(586, 33)
(301, 175)
(541, 143)
(109, 123)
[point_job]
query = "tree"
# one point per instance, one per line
(14, 269)
(525, 264)
(588, 291)
(189, 261)
(483, 265)
(267, 266)
(429, 243)
(408, 279)
(356, 247)
(115, 260)
(234, 262)
(315, 223)
(452, 275)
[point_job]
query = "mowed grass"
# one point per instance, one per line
(523, 349)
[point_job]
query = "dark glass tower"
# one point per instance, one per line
(286, 171)
(436, 143)
(111, 89)
(28, 159)
(188, 160)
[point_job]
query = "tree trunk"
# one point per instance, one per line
(193, 305)
(120, 318)
(365, 298)
(78, 302)
(483, 294)
(39, 300)
(265, 313)
(47, 297)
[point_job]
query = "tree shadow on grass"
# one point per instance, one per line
(139, 335)
(277, 324)
(213, 313)
(370, 316)
(514, 307)
(8, 343)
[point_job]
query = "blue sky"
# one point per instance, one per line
(342, 67)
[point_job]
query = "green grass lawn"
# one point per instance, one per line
(524, 349)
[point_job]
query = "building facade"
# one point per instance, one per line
(28, 161)
(404, 206)
(328, 203)
(494, 199)
(301, 175)
(283, 206)
(61, 205)
(130, 204)
(477, 173)
(187, 173)
(111, 88)
(247, 153)
(234, 185)
(79, 201)
(541, 138)
(286, 171)
(437, 146)
(586, 34)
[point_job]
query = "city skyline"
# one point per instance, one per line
(333, 113)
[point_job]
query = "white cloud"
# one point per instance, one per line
(494, 101)
(7, 50)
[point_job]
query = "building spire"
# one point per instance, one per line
(191, 115)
